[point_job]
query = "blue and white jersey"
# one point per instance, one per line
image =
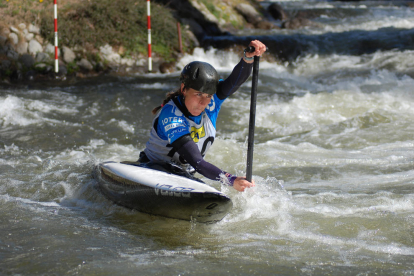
(171, 123)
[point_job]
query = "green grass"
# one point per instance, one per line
(96, 23)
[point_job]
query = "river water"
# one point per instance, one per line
(333, 163)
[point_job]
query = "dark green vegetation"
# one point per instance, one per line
(91, 24)
(96, 23)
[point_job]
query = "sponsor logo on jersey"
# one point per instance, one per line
(169, 120)
(173, 125)
(172, 122)
(197, 133)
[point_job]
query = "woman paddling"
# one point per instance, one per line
(185, 124)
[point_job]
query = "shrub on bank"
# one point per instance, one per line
(95, 23)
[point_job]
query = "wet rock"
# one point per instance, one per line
(4, 49)
(127, 62)
(167, 67)
(277, 12)
(266, 25)
(50, 49)
(22, 26)
(49, 68)
(186, 9)
(107, 53)
(106, 50)
(12, 54)
(114, 58)
(42, 57)
(205, 11)
(253, 17)
(22, 47)
(40, 66)
(3, 40)
(33, 29)
(4, 32)
(68, 55)
(13, 38)
(39, 39)
(63, 70)
(27, 60)
(249, 13)
(29, 36)
(14, 30)
(5, 65)
(297, 23)
(195, 28)
(99, 67)
(16, 75)
(43, 68)
(141, 62)
(85, 64)
(30, 75)
(34, 47)
(193, 38)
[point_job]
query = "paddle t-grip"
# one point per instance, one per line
(251, 49)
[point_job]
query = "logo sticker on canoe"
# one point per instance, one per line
(169, 190)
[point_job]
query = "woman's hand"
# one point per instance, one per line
(259, 48)
(240, 184)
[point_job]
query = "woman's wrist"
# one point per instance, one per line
(246, 58)
(230, 178)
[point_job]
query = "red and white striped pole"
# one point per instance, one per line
(149, 36)
(56, 40)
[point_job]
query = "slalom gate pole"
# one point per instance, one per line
(180, 44)
(149, 35)
(56, 39)
(250, 140)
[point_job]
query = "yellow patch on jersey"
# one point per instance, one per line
(197, 133)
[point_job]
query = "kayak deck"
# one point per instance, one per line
(144, 187)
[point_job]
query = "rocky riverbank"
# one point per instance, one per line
(25, 56)
(26, 53)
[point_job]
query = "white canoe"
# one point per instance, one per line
(148, 189)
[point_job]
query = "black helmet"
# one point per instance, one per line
(200, 76)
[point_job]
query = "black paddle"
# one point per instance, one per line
(250, 141)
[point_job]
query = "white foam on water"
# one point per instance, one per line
(220, 60)
(13, 112)
(377, 16)
(334, 205)
(343, 140)
(124, 125)
(400, 61)
(276, 214)
(23, 112)
(356, 24)
(8, 198)
(156, 85)
(381, 98)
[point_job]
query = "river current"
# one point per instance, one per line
(333, 164)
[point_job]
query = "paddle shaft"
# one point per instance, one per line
(250, 140)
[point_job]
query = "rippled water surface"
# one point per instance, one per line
(333, 163)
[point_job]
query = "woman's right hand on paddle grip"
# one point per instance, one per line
(240, 184)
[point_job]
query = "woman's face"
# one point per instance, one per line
(195, 101)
